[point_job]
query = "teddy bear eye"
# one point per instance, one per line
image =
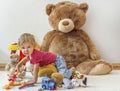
(11, 57)
(60, 18)
(77, 21)
(69, 17)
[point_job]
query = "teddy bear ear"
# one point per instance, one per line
(84, 7)
(10, 56)
(49, 8)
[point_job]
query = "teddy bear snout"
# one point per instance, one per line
(66, 25)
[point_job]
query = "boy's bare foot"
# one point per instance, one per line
(73, 69)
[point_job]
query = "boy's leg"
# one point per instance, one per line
(62, 68)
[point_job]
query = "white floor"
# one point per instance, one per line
(110, 82)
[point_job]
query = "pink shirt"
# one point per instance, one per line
(43, 58)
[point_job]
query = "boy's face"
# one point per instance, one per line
(27, 48)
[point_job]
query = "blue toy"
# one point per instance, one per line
(48, 84)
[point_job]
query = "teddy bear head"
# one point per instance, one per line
(14, 58)
(66, 16)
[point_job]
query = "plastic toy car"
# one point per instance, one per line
(48, 84)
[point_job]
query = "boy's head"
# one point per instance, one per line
(27, 43)
(26, 37)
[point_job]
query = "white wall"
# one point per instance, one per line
(19, 16)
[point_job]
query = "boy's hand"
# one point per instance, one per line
(73, 69)
(17, 69)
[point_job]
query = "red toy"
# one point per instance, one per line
(26, 85)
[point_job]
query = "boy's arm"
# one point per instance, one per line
(23, 61)
(35, 72)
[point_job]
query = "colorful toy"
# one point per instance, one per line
(78, 74)
(14, 80)
(24, 85)
(68, 83)
(11, 84)
(13, 47)
(48, 84)
(79, 79)
(12, 77)
(8, 85)
(75, 82)
(84, 82)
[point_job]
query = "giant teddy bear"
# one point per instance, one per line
(69, 40)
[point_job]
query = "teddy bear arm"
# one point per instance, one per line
(7, 67)
(47, 70)
(47, 40)
(93, 52)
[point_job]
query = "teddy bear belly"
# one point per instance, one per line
(73, 52)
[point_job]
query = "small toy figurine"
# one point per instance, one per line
(75, 82)
(68, 83)
(84, 82)
(8, 85)
(13, 61)
(79, 79)
(12, 77)
(14, 80)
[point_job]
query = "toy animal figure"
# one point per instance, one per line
(12, 63)
(79, 79)
(10, 67)
(79, 82)
(84, 82)
(75, 82)
(22, 72)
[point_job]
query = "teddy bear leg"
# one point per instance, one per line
(97, 67)
(101, 68)
(11, 71)
(57, 78)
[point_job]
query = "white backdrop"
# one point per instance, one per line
(19, 16)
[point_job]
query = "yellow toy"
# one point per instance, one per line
(51, 71)
(13, 47)
(10, 84)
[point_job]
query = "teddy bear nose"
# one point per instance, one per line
(65, 23)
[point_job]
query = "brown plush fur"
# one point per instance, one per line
(51, 71)
(74, 45)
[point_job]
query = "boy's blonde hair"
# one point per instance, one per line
(26, 37)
